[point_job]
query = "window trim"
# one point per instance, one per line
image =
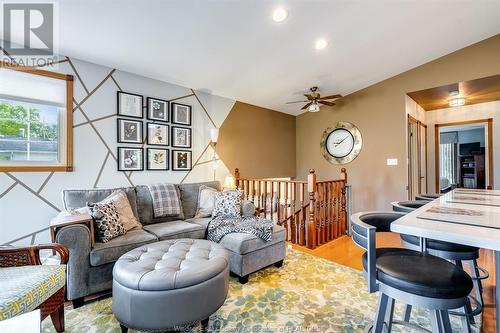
(68, 166)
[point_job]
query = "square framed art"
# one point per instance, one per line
(158, 134)
(181, 160)
(130, 105)
(157, 159)
(181, 114)
(129, 131)
(157, 109)
(130, 159)
(181, 137)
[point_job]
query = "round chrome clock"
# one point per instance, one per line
(341, 144)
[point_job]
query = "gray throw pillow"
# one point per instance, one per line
(107, 221)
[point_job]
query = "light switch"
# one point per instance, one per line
(392, 161)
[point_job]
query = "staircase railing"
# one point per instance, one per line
(312, 212)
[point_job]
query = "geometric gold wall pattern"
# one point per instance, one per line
(29, 200)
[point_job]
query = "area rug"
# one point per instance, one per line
(308, 294)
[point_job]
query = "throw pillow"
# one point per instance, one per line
(206, 201)
(127, 217)
(227, 203)
(107, 221)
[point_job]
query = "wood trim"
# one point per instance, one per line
(47, 168)
(69, 125)
(36, 71)
(489, 122)
(426, 162)
(436, 157)
(491, 184)
(69, 120)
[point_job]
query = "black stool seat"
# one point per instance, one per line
(440, 245)
(420, 274)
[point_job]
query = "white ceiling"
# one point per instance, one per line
(232, 48)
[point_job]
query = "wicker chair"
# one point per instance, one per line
(30, 256)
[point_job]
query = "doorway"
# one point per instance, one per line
(463, 155)
(417, 157)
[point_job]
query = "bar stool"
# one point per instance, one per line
(407, 206)
(413, 277)
(427, 196)
(450, 251)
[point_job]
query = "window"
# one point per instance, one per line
(35, 120)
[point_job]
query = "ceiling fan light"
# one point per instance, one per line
(313, 108)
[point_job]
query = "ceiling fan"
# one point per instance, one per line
(314, 99)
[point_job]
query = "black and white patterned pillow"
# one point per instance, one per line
(107, 221)
(227, 203)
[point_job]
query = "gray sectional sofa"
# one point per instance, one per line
(90, 269)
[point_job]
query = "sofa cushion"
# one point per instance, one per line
(176, 229)
(245, 243)
(189, 196)
(201, 221)
(145, 207)
(104, 253)
(24, 288)
(74, 199)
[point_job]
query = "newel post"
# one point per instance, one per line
(343, 201)
(237, 177)
(311, 224)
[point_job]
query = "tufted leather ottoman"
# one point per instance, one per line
(170, 284)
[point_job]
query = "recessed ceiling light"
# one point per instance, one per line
(320, 44)
(280, 14)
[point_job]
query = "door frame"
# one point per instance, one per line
(421, 127)
(489, 122)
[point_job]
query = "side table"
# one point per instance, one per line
(63, 220)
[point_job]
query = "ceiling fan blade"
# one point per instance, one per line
(326, 103)
(297, 102)
(331, 97)
(306, 106)
(309, 97)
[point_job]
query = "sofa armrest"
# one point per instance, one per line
(76, 238)
(247, 208)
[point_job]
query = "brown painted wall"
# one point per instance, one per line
(379, 113)
(258, 141)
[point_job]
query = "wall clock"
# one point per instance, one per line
(341, 144)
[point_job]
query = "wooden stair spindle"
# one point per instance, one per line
(237, 177)
(302, 216)
(311, 224)
(344, 202)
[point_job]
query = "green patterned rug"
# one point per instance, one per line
(308, 294)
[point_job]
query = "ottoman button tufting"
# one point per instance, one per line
(162, 289)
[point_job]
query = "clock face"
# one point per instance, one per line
(339, 143)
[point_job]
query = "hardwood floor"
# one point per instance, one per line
(343, 251)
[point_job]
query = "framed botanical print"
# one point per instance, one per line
(181, 160)
(130, 159)
(157, 159)
(129, 131)
(157, 109)
(181, 114)
(130, 105)
(158, 134)
(181, 137)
